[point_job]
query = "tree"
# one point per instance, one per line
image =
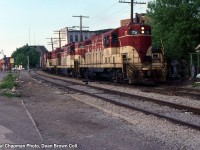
(177, 24)
(20, 56)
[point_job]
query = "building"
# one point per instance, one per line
(6, 63)
(42, 51)
(68, 36)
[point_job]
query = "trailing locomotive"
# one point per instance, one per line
(122, 54)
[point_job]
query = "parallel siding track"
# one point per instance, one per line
(173, 112)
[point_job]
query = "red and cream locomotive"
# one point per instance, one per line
(122, 54)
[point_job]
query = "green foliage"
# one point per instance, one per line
(177, 24)
(196, 84)
(8, 82)
(10, 95)
(21, 54)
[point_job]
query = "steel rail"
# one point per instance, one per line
(176, 121)
(138, 97)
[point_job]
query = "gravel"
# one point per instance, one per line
(173, 136)
(174, 99)
(148, 106)
(133, 90)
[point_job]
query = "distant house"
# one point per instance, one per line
(5, 63)
(43, 51)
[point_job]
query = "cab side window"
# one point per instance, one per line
(115, 38)
(106, 41)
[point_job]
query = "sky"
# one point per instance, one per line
(33, 21)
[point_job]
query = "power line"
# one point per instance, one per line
(94, 22)
(105, 10)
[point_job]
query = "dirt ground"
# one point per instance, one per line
(48, 115)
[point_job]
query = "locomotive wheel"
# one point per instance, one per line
(116, 77)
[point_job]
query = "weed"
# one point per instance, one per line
(196, 84)
(8, 82)
(10, 95)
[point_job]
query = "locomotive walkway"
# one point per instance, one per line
(44, 114)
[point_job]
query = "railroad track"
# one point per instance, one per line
(179, 114)
(166, 90)
(188, 92)
(176, 91)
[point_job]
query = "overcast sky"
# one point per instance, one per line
(32, 21)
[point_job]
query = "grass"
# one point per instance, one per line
(8, 83)
(197, 84)
(9, 95)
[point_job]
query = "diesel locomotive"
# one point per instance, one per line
(124, 54)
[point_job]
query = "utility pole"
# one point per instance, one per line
(28, 63)
(132, 3)
(51, 43)
(81, 25)
(59, 37)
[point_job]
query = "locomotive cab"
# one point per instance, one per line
(143, 64)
